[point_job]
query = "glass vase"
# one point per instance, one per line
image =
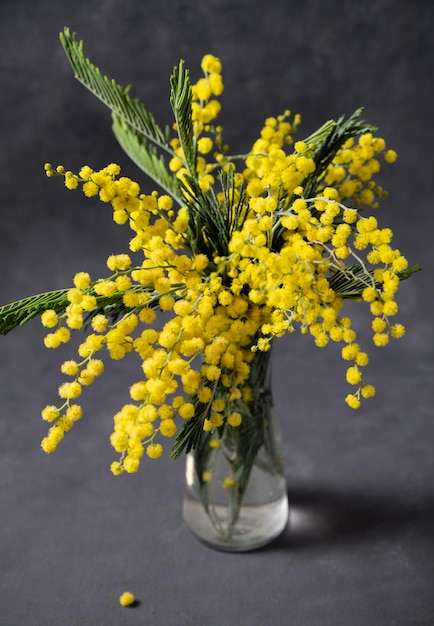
(235, 497)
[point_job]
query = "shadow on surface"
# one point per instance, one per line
(320, 516)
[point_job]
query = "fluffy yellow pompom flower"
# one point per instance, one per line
(235, 419)
(82, 280)
(70, 368)
(381, 339)
(390, 308)
(154, 450)
(211, 63)
(167, 428)
(70, 391)
(127, 599)
(368, 391)
(47, 444)
(74, 412)
(353, 376)
(397, 331)
(49, 318)
(99, 323)
(352, 401)
(204, 145)
(50, 413)
(187, 410)
(390, 156)
(228, 482)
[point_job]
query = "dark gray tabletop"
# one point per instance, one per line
(359, 549)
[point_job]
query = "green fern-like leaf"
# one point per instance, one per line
(22, 311)
(191, 435)
(180, 99)
(207, 232)
(145, 156)
(327, 140)
(115, 97)
(233, 206)
(212, 221)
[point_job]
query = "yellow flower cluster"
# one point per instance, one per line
(276, 274)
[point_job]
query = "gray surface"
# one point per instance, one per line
(360, 546)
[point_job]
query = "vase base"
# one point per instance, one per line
(256, 526)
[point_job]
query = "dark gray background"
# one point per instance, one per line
(359, 550)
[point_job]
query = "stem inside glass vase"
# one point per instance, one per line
(235, 496)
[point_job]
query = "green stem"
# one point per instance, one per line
(238, 452)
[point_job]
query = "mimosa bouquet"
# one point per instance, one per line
(238, 250)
